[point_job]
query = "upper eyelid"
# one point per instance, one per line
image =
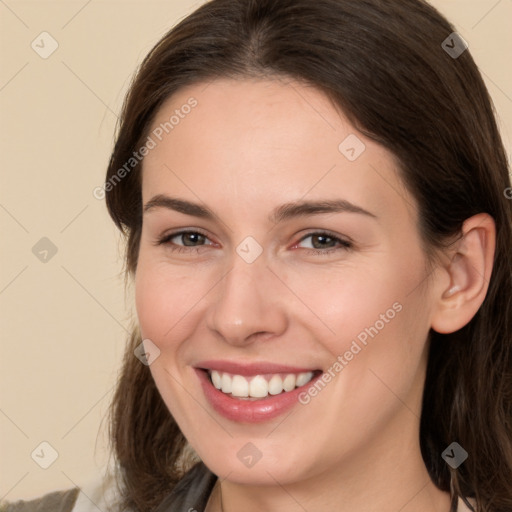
(328, 233)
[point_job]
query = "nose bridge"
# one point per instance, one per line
(244, 304)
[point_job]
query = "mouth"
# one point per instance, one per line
(258, 387)
(251, 394)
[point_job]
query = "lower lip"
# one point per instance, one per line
(250, 411)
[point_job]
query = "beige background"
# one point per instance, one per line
(64, 321)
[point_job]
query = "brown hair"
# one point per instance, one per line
(383, 64)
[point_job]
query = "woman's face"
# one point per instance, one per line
(301, 259)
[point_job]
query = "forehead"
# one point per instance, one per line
(261, 140)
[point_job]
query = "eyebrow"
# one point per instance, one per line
(284, 212)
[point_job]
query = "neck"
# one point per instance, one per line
(384, 478)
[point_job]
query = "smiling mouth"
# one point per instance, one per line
(259, 387)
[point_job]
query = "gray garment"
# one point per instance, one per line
(191, 494)
(59, 501)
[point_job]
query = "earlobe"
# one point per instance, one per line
(470, 270)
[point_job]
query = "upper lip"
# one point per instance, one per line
(250, 369)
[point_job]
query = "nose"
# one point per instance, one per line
(248, 304)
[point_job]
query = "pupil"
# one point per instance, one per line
(321, 238)
(192, 237)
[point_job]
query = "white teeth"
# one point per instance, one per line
(275, 385)
(216, 379)
(240, 386)
(226, 383)
(258, 386)
(289, 382)
(303, 378)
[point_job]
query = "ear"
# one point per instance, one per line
(469, 271)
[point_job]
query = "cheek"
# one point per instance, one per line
(381, 329)
(355, 301)
(167, 299)
(165, 309)
(150, 298)
(376, 319)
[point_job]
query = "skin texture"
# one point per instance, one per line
(248, 147)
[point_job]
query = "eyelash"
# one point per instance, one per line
(165, 240)
(344, 245)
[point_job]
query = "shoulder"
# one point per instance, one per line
(58, 501)
(98, 494)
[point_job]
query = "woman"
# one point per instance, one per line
(320, 179)
(314, 199)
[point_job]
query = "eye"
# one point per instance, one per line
(322, 243)
(184, 241)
